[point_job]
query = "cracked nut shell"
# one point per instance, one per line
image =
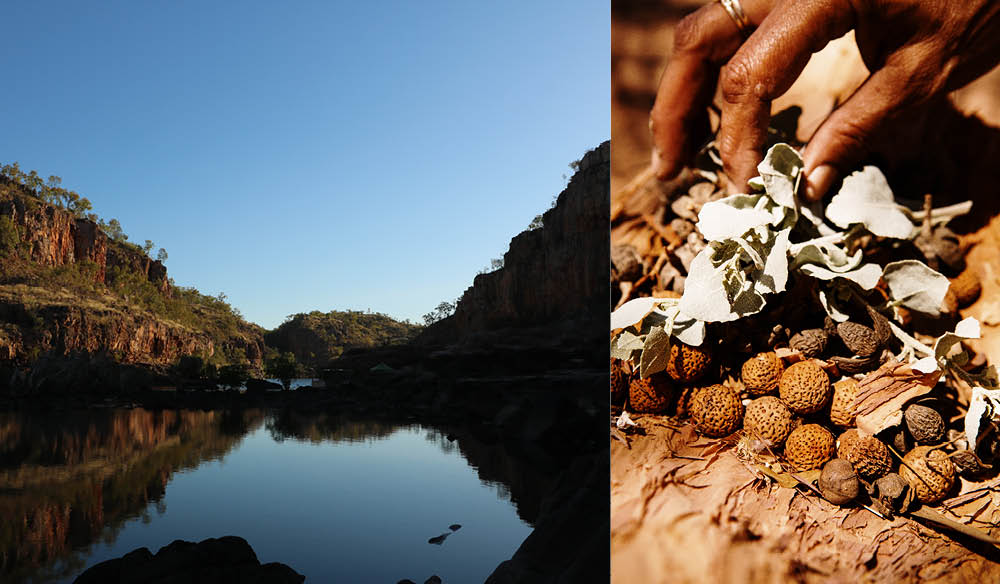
(809, 446)
(686, 363)
(925, 424)
(619, 383)
(650, 395)
(804, 387)
(717, 410)
(929, 472)
(769, 419)
(838, 482)
(761, 373)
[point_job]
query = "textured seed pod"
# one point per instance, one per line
(810, 342)
(841, 408)
(847, 441)
(925, 424)
(852, 365)
(869, 455)
(858, 338)
(768, 418)
(930, 473)
(838, 482)
(809, 446)
(718, 411)
(686, 363)
(804, 387)
(619, 383)
(891, 491)
(966, 287)
(761, 373)
(650, 395)
(967, 463)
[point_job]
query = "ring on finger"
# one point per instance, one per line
(735, 11)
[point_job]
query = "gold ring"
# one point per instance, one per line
(735, 11)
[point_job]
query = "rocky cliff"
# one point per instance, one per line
(558, 272)
(66, 289)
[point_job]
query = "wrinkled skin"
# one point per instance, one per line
(916, 51)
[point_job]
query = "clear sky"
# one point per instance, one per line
(307, 156)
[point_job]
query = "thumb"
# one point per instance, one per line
(849, 133)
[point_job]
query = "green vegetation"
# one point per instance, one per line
(283, 367)
(316, 337)
(126, 287)
(443, 310)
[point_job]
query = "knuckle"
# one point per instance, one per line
(736, 80)
(688, 34)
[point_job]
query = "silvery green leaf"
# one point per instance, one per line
(688, 330)
(705, 296)
(916, 286)
(826, 254)
(655, 352)
(756, 183)
(830, 304)
(866, 198)
(941, 215)
(732, 216)
(774, 276)
(780, 172)
(983, 404)
(632, 312)
(925, 365)
(867, 276)
(625, 344)
(966, 329)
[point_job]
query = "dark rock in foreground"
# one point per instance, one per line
(228, 559)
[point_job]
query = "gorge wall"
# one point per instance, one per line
(558, 272)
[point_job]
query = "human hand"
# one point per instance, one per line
(916, 51)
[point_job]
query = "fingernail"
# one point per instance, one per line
(818, 181)
(660, 167)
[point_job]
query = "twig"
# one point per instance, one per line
(942, 521)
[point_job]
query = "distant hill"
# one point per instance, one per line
(317, 337)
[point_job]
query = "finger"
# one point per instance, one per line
(703, 41)
(764, 68)
(897, 91)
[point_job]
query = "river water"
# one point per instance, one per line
(337, 499)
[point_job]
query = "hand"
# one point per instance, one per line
(916, 51)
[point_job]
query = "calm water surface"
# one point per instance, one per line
(338, 500)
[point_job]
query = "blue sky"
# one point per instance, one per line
(310, 155)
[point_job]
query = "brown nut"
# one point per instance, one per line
(768, 419)
(717, 410)
(761, 373)
(619, 383)
(809, 446)
(869, 455)
(930, 473)
(966, 287)
(858, 338)
(810, 342)
(891, 492)
(842, 406)
(838, 482)
(804, 387)
(925, 424)
(650, 395)
(687, 363)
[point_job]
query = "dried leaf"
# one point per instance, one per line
(882, 393)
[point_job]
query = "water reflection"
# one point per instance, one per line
(69, 481)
